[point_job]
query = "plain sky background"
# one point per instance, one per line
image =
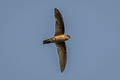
(93, 50)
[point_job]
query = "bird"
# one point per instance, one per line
(59, 39)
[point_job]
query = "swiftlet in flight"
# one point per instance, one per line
(59, 39)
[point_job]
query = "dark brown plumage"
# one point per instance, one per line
(59, 23)
(61, 48)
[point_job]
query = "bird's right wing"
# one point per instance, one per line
(61, 48)
(59, 23)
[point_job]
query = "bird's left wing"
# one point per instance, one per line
(61, 48)
(59, 23)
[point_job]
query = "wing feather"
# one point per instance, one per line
(61, 48)
(59, 23)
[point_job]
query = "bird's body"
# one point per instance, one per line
(59, 39)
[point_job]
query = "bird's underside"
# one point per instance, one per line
(59, 39)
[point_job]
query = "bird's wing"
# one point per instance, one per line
(61, 48)
(59, 22)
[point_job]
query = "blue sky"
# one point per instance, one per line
(93, 50)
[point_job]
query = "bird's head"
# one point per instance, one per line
(67, 37)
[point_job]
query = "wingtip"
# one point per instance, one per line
(62, 70)
(56, 10)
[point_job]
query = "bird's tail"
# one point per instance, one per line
(46, 41)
